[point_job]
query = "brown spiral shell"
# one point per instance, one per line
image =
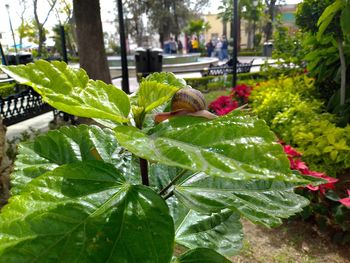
(188, 99)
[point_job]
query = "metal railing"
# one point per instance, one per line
(21, 106)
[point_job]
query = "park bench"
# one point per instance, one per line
(227, 68)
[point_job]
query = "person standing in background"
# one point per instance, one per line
(166, 46)
(224, 48)
(179, 46)
(210, 47)
(195, 45)
(189, 45)
(218, 49)
(172, 46)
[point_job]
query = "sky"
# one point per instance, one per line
(43, 7)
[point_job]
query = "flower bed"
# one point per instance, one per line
(291, 108)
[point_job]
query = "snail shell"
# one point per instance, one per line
(188, 99)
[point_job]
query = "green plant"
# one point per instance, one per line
(127, 194)
(326, 45)
(12, 144)
(287, 46)
(7, 89)
(291, 107)
(209, 83)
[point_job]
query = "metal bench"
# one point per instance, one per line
(227, 68)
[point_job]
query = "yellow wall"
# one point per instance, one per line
(216, 28)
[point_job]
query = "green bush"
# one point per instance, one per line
(250, 53)
(209, 83)
(293, 110)
(7, 89)
(205, 84)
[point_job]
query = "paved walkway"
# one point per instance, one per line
(42, 122)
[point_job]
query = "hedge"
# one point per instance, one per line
(209, 83)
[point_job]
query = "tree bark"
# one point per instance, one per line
(224, 28)
(41, 39)
(92, 55)
(271, 11)
(5, 167)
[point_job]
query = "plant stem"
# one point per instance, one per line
(143, 162)
(172, 182)
(342, 71)
(144, 171)
(170, 194)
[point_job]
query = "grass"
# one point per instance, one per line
(213, 95)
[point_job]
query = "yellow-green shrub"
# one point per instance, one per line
(292, 109)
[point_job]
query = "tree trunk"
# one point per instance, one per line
(271, 12)
(342, 72)
(5, 167)
(224, 28)
(41, 40)
(250, 35)
(92, 55)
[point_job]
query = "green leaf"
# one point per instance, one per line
(260, 201)
(345, 20)
(167, 78)
(327, 17)
(323, 26)
(201, 255)
(330, 11)
(85, 212)
(67, 145)
(152, 94)
(157, 89)
(236, 146)
(221, 231)
(71, 91)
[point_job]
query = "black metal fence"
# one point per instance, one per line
(21, 106)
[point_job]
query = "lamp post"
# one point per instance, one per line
(125, 74)
(13, 34)
(3, 58)
(235, 42)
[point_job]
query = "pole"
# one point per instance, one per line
(3, 58)
(63, 44)
(125, 74)
(235, 45)
(13, 34)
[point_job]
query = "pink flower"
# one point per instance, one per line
(346, 201)
(323, 187)
(297, 164)
(223, 105)
(241, 92)
(290, 151)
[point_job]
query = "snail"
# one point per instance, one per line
(186, 101)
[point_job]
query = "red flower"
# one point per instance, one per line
(297, 164)
(346, 201)
(290, 151)
(241, 92)
(323, 187)
(223, 105)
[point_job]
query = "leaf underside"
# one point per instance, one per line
(85, 212)
(67, 145)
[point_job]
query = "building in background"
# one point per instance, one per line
(287, 13)
(216, 29)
